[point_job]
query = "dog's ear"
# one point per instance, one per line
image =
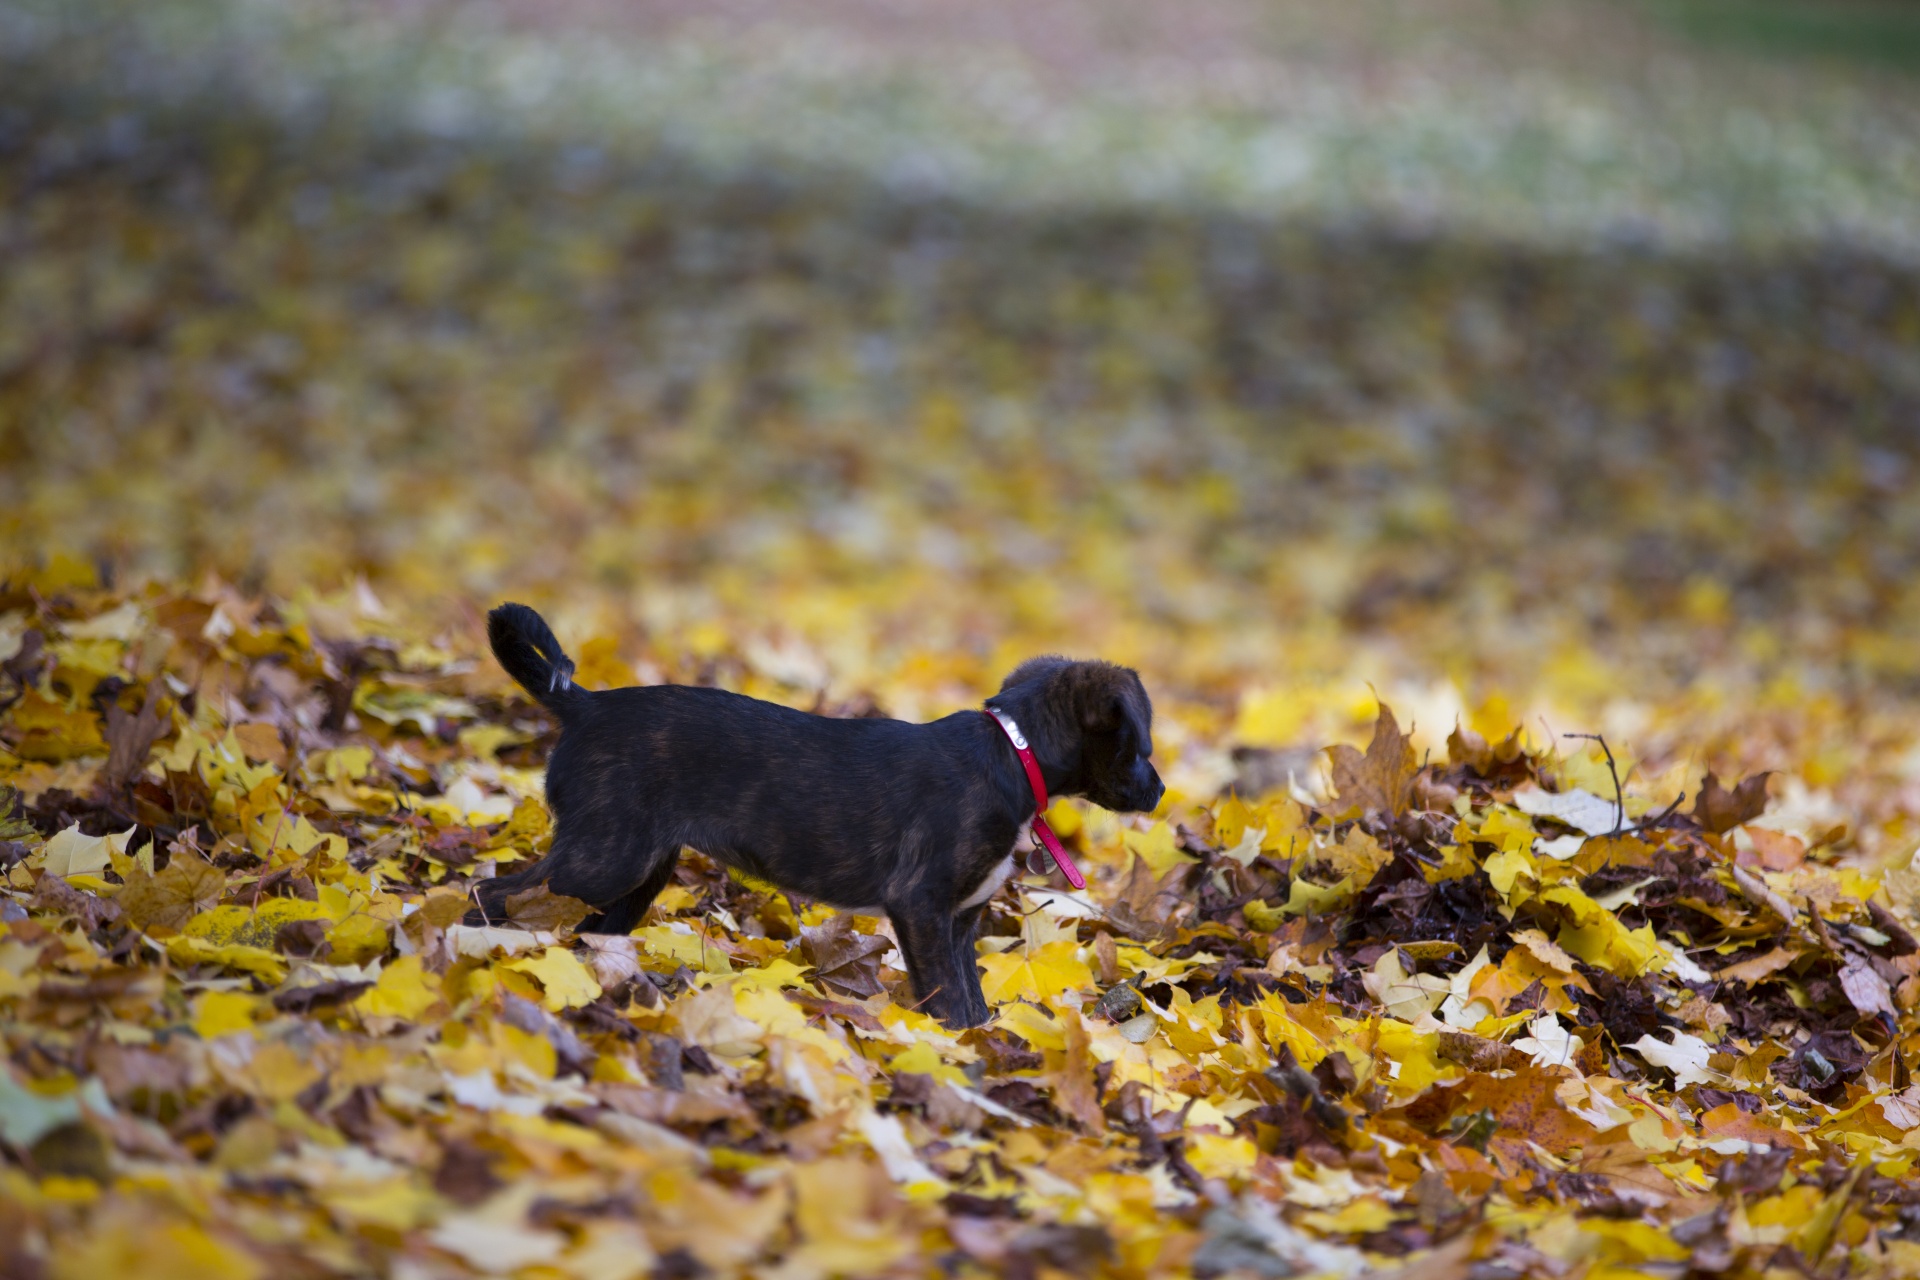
(1104, 698)
(1137, 713)
(1102, 712)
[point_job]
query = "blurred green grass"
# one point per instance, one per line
(1872, 32)
(1551, 123)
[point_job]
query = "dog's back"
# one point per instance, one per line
(772, 790)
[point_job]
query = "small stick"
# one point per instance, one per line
(1658, 819)
(1619, 799)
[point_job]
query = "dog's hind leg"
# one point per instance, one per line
(490, 896)
(601, 867)
(623, 914)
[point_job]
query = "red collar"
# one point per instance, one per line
(1041, 831)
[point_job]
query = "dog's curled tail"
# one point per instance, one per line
(525, 646)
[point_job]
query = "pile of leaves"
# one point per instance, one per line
(1495, 1015)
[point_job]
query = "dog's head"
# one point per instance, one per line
(1093, 722)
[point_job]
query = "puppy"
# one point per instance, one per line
(916, 820)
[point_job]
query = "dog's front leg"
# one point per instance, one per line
(926, 937)
(967, 965)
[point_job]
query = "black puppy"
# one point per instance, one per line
(917, 820)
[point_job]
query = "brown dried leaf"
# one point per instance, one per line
(847, 961)
(1074, 1091)
(1451, 1261)
(445, 906)
(1899, 941)
(539, 908)
(308, 997)
(1526, 1103)
(130, 740)
(1866, 988)
(262, 743)
(53, 893)
(1720, 810)
(1381, 781)
(1477, 1053)
(1757, 968)
(1466, 747)
(189, 885)
(1774, 850)
(613, 959)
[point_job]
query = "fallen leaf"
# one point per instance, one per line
(541, 908)
(1685, 1056)
(69, 853)
(1720, 810)
(404, 990)
(613, 960)
(1866, 988)
(1760, 967)
(566, 982)
(1581, 810)
(187, 886)
(847, 961)
(1381, 781)
(1548, 1043)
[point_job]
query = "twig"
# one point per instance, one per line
(1658, 819)
(1619, 798)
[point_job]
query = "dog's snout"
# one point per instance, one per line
(1152, 791)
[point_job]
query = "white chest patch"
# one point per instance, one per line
(991, 885)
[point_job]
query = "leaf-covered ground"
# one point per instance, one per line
(318, 337)
(1467, 1014)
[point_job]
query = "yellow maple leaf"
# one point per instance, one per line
(1596, 936)
(1230, 821)
(153, 1251)
(1272, 717)
(1456, 862)
(252, 928)
(358, 939)
(1033, 1026)
(280, 1072)
(566, 982)
(1506, 869)
(1309, 899)
(1035, 975)
(1263, 918)
(70, 853)
(1157, 848)
(1355, 856)
(1216, 1156)
(219, 1013)
(1412, 1058)
(775, 975)
(405, 990)
(184, 950)
(53, 732)
(848, 1218)
(711, 1020)
(1509, 829)
(684, 946)
(1284, 827)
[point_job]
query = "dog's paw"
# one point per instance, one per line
(967, 1015)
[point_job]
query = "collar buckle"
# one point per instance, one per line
(1041, 831)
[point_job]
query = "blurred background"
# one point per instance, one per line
(1552, 362)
